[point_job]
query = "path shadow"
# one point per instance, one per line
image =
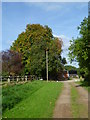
(84, 84)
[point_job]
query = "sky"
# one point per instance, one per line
(62, 17)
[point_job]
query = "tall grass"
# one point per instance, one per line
(39, 104)
(11, 95)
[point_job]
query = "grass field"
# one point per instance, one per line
(37, 99)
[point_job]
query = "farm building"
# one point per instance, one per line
(73, 73)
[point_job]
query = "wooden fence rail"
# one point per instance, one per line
(18, 78)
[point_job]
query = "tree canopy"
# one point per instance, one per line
(32, 44)
(11, 63)
(69, 67)
(64, 61)
(79, 49)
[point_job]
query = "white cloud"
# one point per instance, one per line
(66, 44)
(65, 40)
(52, 7)
(47, 6)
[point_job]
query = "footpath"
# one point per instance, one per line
(63, 105)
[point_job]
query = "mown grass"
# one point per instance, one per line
(39, 104)
(77, 107)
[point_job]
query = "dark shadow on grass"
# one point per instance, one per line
(84, 84)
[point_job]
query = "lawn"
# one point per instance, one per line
(38, 101)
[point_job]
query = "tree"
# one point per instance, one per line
(11, 63)
(64, 61)
(79, 49)
(69, 68)
(55, 66)
(33, 44)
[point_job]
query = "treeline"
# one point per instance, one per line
(27, 55)
(79, 49)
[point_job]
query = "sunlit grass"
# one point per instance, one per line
(39, 104)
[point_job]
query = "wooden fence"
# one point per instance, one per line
(18, 78)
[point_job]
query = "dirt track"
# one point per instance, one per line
(62, 109)
(63, 104)
(82, 100)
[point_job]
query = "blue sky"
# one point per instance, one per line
(63, 18)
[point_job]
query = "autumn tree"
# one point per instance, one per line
(33, 43)
(11, 63)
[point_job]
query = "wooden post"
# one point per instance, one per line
(9, 79)
(47, 64)
(22, 78)
(25, 78)
(17, 78)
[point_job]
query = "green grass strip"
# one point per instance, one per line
(38, 105)
(74, 105)
(78, 109)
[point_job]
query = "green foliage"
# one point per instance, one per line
(33, 44)
(69, 67)
(80, 48)
(11, 63)
(84, 84)
(39, 104)
(64, 61)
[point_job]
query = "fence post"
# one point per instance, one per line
(17, 78)
(9, 79)
(25, 78)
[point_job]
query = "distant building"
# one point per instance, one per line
(73, 73)
(70, 73)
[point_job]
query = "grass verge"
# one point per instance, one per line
(84, 84)
(74, 105)
(77, 107)
(11, 95)
(39, 104)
